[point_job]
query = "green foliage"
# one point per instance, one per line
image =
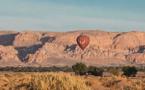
(95, 71)
(129, 71)
(80, 68)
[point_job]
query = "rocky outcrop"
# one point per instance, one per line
(129, 40)
(8, 56)
(48, 50)
(136, 58)
(24, 39)
(8, 52)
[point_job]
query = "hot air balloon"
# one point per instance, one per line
(83, 41)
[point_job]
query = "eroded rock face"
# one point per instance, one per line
(8, 56)
(129, 40)
(48, 50)
(24, 39)
(136, 58)
(59, 48)
(103, 45)
(8, 52)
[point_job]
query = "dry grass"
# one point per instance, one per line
(66, 81)
(41, 81)
(116, 83)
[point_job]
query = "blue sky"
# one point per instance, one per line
(66, 15)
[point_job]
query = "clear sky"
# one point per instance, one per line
(66, 15)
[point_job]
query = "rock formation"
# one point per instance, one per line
(8, 56)
(24, 39)
(53, 48)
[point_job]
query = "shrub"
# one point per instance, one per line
(80, 68)
(95, 71)
(114, 70)
(129, 71)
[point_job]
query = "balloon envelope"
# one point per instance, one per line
(83, 41)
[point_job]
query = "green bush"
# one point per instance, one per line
(95, 71)
(129, 71)
(80, 68)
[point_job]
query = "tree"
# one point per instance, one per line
(129, 71)
(80, 68)
(95, 71)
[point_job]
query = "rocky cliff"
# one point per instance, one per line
(54, 48)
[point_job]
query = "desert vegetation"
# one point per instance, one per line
(77, 77)
(80, 68)
(36, 69)
(42, 81)
(95, 71)
(128, 71)
(66, 81)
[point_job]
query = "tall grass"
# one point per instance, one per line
(42, 81)
(67, 81)
(58, 81)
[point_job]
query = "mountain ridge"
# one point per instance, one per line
(61, 49)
